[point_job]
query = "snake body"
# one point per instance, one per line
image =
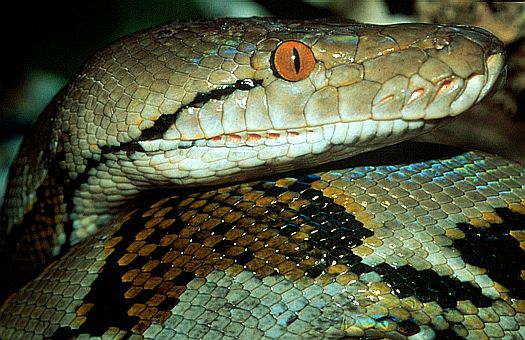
(393, 250)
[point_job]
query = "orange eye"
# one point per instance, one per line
(292, 60)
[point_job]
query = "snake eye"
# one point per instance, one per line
(292, 60)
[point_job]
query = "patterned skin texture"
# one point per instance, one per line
(204, 103)
(433, 248)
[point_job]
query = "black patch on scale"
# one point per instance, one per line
(160, 126)
(107, 292)
(491, 248)
(408, 328)
(337, 231)
(427, 285)
(65, 333)
(494, 249)
(446, 334)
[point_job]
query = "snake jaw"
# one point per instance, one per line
(480, 85)
(222, 160)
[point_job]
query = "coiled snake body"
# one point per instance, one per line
(155, 123)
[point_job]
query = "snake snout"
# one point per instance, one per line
(494, 57)
(496, 74)
(490, 43)
(464, 65)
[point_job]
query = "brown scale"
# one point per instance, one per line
(134, 277)
(227, 231)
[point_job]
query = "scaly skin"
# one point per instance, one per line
(200, 103)
(431, 248)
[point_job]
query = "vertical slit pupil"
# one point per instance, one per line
(296, 60)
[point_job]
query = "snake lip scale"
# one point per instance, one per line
(194, 110)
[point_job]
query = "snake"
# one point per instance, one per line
(215, 179)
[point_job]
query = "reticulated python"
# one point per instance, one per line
(156, 122)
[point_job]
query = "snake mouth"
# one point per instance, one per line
(421, 98)
(250, 154)
(307, 140)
